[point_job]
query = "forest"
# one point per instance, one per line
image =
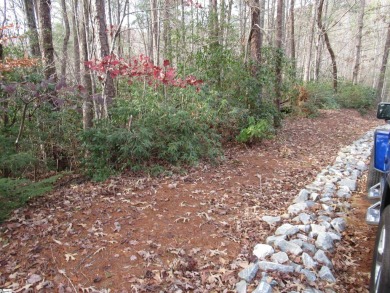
(102, 87)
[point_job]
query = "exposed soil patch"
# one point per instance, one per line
(189, 232)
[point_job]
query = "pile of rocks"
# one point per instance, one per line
(312, 226)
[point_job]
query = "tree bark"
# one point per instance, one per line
(255, 35)
(292, 43)
(279, 52)
(306, 76)
(327, 42)
(359, 36)
(382, 71)
(32, 28)
(44, 12)
(65, 40)
(108, 84)
(87, 80)
(76, 45)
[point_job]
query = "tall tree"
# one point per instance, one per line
(306, 76)
(65, 40)
(292, 34)
(76, 45)
(382, 72)
(44, 12)
(324, 33)
(108, 83)
(359, 35)
(32, 28)
(255, 34)
(279, 52)
(87, 80)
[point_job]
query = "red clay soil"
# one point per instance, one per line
(191, 232)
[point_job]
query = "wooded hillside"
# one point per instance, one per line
(106, 86)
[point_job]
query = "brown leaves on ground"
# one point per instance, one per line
(188, 232)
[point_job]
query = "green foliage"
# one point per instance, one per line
(349, 96)
(14, 193)
(180, 131)
(256, 130)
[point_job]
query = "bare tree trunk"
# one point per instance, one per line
(87, 80)
(167, 31)
(306, 76)
(44, 7)
(279, 52)
(359, 35)
(76, 47)
(65, 40)
(382, 71)
(213, 22)
(32, 28)
(255, 35)
(154, 30)
(328, 46)
(108, 85)
(292, 48)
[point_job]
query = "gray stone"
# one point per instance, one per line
(308, 247)
(314, 196)
(263, 287)
(326, 274)
(280, 257)
(241, 287)
(335, 236)
(298, 242)
(271, 266)
(343, 192)
(327, 208)
(288, 247)
(297, 208)
(316, 229)
(304, 228)
(287, 229)
(308, 262)
(297, 267)
(310, 203)
(339, 224)
(310, 276)
(303, 237)
(355, 174)
(305, 218)
(361, 166)
(321, 257)
(324, 241)
(325, 224)
(249, 272)
(302, 196)
(350, 183)
(271, 239)
(327, 200)
(324, 219)
(262, 250)
(271, 220)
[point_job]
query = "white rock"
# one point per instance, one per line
(271, 220)
(263, 250)
(287, 229)
(280, 257)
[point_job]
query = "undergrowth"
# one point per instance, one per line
(15, 193)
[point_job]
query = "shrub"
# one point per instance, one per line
(14, 193)
(256, 130)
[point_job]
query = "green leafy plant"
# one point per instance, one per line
(15, 193)
(256, 130)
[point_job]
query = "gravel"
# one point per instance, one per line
(304, 241)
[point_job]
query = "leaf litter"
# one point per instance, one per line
(191, 232)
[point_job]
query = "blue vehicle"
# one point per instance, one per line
(379, 213)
